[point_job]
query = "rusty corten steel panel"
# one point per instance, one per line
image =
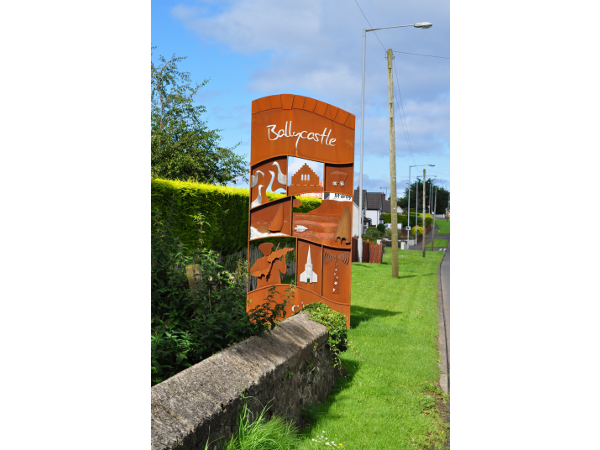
(375, 253)
(339, 178)
(270, 173)
(300, 126)
(274, 219)
(309, 266)
(302, 297)
(292, 125)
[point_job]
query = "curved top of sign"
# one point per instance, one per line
(294, 125)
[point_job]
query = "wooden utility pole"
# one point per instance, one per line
(393, 200)
(424, 190)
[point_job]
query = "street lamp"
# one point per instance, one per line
(430, 195)
(434, 211)
(416, 201)
(422, 25)
(429, 191)
(430, 185)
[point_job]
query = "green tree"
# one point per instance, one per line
(182, 146)
(443, 196)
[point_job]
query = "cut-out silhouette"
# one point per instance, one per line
(258, 200)
(268, 268)
(305, 177)
(254, 178)
(308, 276)
(281, 177)
(338, 178)
(344, 229)
(277, 223)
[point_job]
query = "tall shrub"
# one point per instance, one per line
(188, 325)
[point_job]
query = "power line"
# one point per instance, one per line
(406, 135)
(418, 54)
(369, 23)
(406, 138)
(409, 143)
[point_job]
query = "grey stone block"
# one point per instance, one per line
(288, 369)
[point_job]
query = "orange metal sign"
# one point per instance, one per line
(286, 126)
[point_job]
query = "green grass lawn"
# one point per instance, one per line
(440, 243)
(443, 225)
(387, 400)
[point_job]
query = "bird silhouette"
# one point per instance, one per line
(258, 200)
(281, 177)
(254, 178)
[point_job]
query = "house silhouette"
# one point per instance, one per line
(305, 177)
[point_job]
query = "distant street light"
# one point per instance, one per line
(416, 201)
(422, 25)
(435, 209)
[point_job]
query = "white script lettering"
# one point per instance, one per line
(286, 131)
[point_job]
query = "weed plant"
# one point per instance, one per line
(260, 434)
(189, 325)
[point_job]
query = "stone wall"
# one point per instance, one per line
(288, 369)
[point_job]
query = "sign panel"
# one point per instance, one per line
(315, 141)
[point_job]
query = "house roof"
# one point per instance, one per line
(374, 200)
(355, 197)
(386, 206)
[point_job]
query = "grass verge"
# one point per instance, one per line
(388, 397)
(443, 225)
(440, 243)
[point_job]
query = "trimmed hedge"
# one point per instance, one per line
(387, 218)
(225, 210)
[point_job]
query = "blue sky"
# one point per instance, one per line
(314, 48)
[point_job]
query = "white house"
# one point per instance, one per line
(374, 208)
(356, 216)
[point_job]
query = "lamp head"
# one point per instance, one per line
(423, 25)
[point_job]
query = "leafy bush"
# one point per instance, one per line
(418, 230)
(189, 325)
(403, 219)
(336, 326)
(381, 228)
(374, 233)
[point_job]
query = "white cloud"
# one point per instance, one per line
(314, 48)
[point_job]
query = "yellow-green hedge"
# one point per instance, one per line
(225, 209)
